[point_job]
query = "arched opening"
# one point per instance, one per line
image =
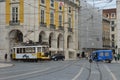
(60, 41)
(15, 37)
(51, 39)
(69, 42)
(41, 37)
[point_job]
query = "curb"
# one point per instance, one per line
(4, 65)
(115, 61)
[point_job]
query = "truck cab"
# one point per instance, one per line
(101, 55)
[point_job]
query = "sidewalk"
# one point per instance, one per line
(4, 63)
(113, 61)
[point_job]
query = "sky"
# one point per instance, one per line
(103, 4)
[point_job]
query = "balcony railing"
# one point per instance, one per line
(14, 22)
(42, 24)
(52, 26)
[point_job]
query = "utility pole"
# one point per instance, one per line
(63, 27)
(34, 21)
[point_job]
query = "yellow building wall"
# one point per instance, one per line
(47, 12)
(21, 12)
(7, 11)
(56, 14)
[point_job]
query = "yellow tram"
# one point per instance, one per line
(31, 53)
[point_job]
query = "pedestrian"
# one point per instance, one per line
(6, 56)
(115, 57)
(118, 56)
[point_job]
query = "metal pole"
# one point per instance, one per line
(34, 21)
(63, 27)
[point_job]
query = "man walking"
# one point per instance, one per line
(6, 57)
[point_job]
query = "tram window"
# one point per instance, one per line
(39, 49)
(27, 50)
(20, 50)
(23, 50)
(33, 50)
(30, 50)
(17, 50)
(43, 49)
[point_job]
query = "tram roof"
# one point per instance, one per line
(30, 46)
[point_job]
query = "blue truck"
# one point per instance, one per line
(101, 55)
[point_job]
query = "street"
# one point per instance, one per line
(61, 70)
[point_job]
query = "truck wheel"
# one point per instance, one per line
(109, 61)
(90, 60)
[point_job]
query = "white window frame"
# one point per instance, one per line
(17, 6)
(44, 14)
(112, 15)
(70, 22)
(52, 3)
(42, 3)
(69, 9)
(60, 21)
(52, 18)
(61, 4)
(107, 15)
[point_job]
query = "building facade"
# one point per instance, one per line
(90, 28)
(118, 25)
(106, 33)
(111, 15)
(44, 22)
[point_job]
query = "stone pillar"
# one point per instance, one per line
(118, 25)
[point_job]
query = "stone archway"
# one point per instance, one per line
(70, 46)
(15, 38)
(60, 41)
(69, 42)
(51, 40)
(42, 37)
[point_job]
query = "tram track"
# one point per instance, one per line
(99, 71)
(39, 73)
(52, 70)
(97, 68)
